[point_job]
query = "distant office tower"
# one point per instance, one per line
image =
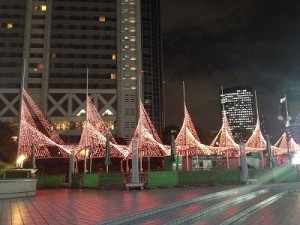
(239, 105)
(51, 43)
(295, 130)
(292, 91)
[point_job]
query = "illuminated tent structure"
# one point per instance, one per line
(187, 141)
(94, 135)
(224, 142)
(256, 142)
(149, 143)
(283, 146)
(37, 131)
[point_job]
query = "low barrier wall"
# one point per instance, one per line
(13, 188)
(154, 179)
(274, 175)
(51, 181)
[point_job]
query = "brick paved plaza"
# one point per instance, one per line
(84, 206)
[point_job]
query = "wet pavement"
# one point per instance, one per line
(84, 206)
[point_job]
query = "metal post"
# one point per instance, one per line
(127, 166)
(227, 159)
(71, 167)
(187, 160)
(91, 160)
(245, 172)
(85, 159)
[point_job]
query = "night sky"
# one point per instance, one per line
(209, 43)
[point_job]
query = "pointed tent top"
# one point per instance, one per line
(256, 142)
(224, 138)
(146, 122)
(95, 119)
(282, 145)
(150, 144)
(182, 137)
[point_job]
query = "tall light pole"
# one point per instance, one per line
(287, 123)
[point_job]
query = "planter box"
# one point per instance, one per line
(13, 188)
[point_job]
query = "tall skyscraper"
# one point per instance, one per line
(239, 105)
(55, 45)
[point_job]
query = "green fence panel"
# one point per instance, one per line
(225, 176)
(270, 175)
(201, 177)
(171, 165)
(40, 181)
(162, 179)
(111, 180)
(261, 175)
(54, 180)
(168, 163)
(77, 180)
(285, 174)
(91, 180)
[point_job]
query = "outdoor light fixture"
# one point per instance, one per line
(20, 161)
(296, 159)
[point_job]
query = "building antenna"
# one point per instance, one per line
(222, 100)
(256, 105)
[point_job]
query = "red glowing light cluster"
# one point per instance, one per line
(187, 141)
(224, 141)
(30, 136)
(94, 136)
(281, 146)
(149, 143)
(256, 142)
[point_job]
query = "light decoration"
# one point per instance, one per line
(30, 134)
(150, 144)
(42, 119)
(296, 159)
(224, 142)
(94, 134)
(188, 140)
(20, 161)
(256, 142)
(281, 147)
(96, 144)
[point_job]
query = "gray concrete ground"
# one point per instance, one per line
(83, 206)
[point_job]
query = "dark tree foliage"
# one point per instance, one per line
(8, 147)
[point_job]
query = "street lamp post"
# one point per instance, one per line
(287, 124)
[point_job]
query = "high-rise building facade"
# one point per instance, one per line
(240, 108)
(60, 50)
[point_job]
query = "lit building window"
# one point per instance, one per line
(113, 57)
(35, 8)
(102, 19)
(113, 76)
(53, 55)
(107, 113)
(132, 20)
(43, 7)
(10, 26)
